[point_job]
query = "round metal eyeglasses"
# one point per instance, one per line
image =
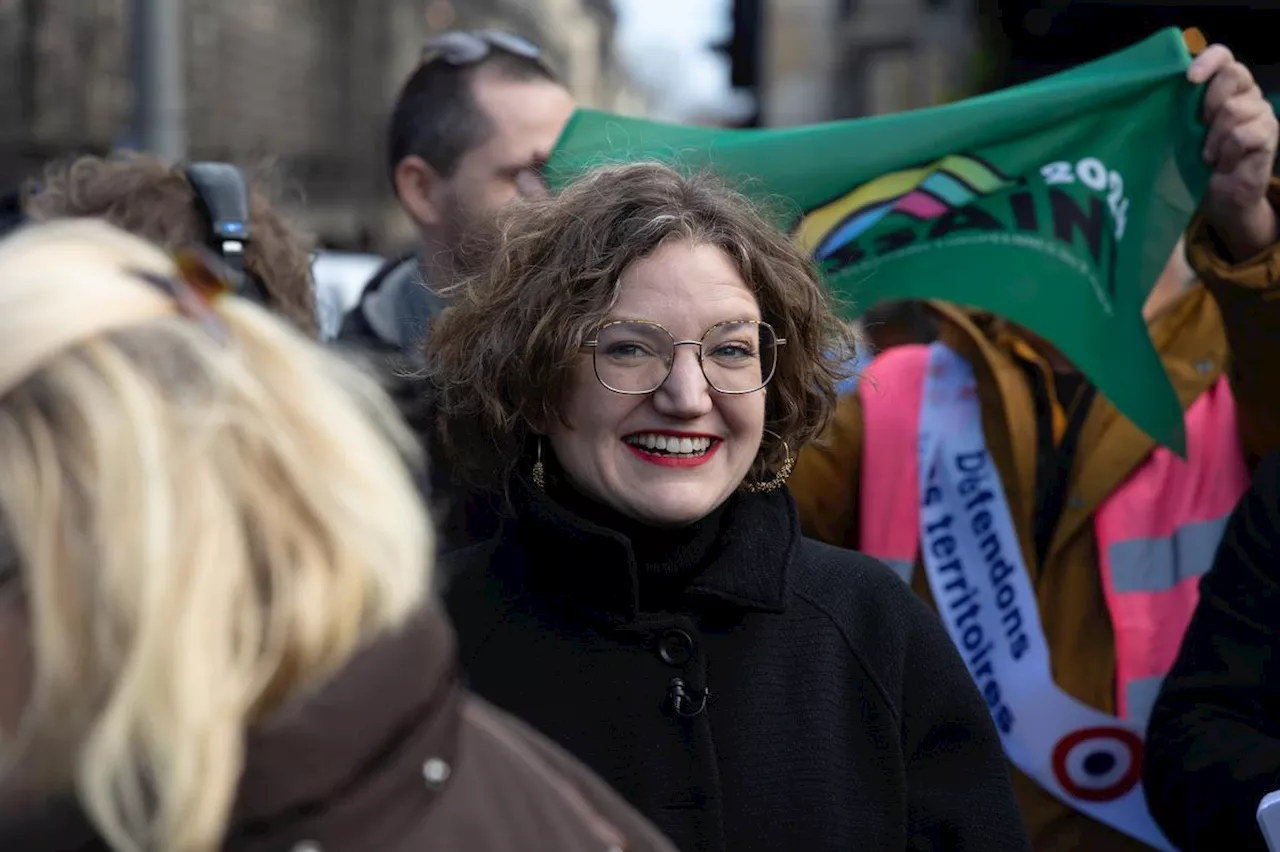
(636, 356)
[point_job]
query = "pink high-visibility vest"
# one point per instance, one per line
(1157, 533)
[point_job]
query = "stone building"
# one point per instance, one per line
(827, 59)
(302, 86)
(578, 36)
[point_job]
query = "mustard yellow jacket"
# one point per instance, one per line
(1229, 322)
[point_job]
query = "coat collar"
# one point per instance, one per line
(325, 768)
(329, 763)
(592, 568)
(399, 307)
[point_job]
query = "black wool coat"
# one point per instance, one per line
(744, 687)
(1213, 740)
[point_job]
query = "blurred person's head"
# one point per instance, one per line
(203, 515)
(470, 132)
(898, 323)
(154, 200)
(664, 341)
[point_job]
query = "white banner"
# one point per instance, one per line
(1090, 760)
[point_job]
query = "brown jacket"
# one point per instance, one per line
(393, 755)
(1230, 323)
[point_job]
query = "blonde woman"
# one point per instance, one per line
(214, 571)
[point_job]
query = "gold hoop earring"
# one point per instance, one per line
(540, 470)
(779, 479)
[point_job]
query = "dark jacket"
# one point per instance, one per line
(386, 329)
(744, 687)
(394, 310)
(11, 215)
(392, 755)
(1213, 743)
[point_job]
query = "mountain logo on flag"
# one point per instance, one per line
(923, 193)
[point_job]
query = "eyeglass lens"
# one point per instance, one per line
(455, 48)
(530, 183)
(511, 43)
(462, 47)
(634, 357)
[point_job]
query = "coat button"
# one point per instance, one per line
(675, 648)
(436, 773)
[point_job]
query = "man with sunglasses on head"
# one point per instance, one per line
(469, 134)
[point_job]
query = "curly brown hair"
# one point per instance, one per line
(501, 356)
(146, 196)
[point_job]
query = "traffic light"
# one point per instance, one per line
(746, 45)
(745, 49)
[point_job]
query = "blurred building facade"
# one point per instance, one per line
(303, 86)
(827, 59)
(873, 56)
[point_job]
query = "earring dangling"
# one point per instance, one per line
(540, 470)
(779, 479)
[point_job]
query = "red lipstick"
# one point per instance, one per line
(665, 460)
(674, 461)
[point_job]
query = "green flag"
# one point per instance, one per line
(1055, 204)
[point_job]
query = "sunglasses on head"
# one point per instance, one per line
(200, 280)
(467, 47)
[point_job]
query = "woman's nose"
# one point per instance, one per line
(686, 391)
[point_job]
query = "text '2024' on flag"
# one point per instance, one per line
(1054, 204)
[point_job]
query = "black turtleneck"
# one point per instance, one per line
(666, 558)
(591, 557)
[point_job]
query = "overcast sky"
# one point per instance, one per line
(665, 46)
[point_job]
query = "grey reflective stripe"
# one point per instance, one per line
(1159, 564)
(1140, 697)
(902, 567)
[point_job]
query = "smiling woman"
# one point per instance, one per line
(624, 248)
(664, 429)
(636, 369)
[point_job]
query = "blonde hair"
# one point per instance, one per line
(203, 529)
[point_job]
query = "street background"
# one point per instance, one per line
(303, 87)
